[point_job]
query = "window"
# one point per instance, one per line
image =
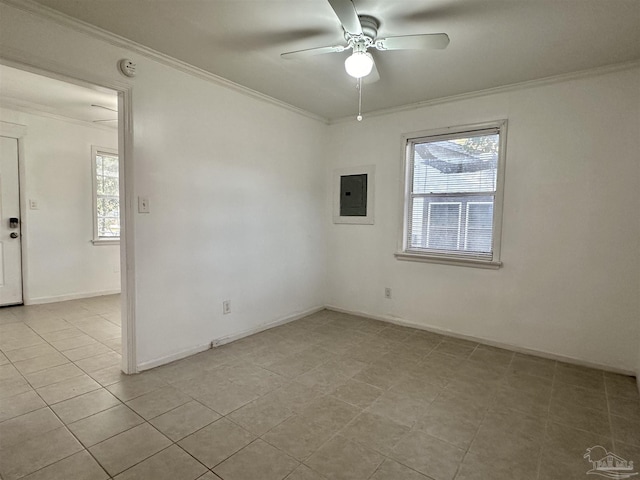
(453, 195)
(106, 195)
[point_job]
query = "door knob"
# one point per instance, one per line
(13, 235)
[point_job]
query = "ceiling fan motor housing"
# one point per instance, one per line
(369, 34)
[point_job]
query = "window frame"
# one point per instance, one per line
(408, 142)
(95, 151)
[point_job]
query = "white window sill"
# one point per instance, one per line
(106, 241)
(461, 262)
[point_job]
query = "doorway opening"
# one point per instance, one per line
(63, 219)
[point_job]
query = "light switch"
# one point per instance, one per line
(143, 205)
(33, 204)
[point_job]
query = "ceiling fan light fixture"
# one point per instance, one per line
(359, 64)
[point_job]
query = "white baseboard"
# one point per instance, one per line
(265, 326)
(487, 341)
(173, 357)
(64, 298)
(224, 340)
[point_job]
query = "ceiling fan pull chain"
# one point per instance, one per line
(359, 87)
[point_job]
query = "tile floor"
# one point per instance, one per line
(330, 396)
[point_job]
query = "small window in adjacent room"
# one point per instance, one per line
(453, 195)
(106, 196)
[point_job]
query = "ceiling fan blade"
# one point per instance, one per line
(413, 42)
(348, 16)
(374, 76)
(310, 52)
(106, 108)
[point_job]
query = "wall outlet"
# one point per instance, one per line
(33, 204)
(387, 292)
(226, 307)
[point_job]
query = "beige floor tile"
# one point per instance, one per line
(626, 430)
(79, 466)
(477, 467)
(99, 362)
(106, 424)
(454, 430)
(457, 349)
(53, 375)
(330, 411)
(376, 432)
(589, 419)
(47, 325)
(299, 363)
(304, 473)
(108, 376)
(130, 387)
(13, 386)
(84, 405)
(522, 401)
(31, 352)
(22, 428)
(216, 442)
(62, 334)
(627, 407)
(342, 459)
(72, 387)
(184, 420)
(86, 351)
(20, 404)
(530, 365)
(226, 397)
(257, 460)
(579, 376)
(322, 378)
(9, 372)
(129, 448)
(209, 476)
(261, 415)
(381, 375)
(40, 363)
(357, 393)
(390, 470)
(23, 458)
(299, 437)
(77, 341)
(294, 396)
(169, 464)
(428, 455)
(579, 396)
(400, 407)
(159, 401)
(621, 385)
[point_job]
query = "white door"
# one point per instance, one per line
(10, 255)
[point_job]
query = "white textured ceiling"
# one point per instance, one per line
(25, 90)
(493, 43)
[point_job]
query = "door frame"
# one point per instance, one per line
(125, 157)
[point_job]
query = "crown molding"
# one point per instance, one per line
(7, 103)
(592, 72)
(115, 40)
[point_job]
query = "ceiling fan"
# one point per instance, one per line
(106, 108)
(361, 33)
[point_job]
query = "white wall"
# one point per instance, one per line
(235, 187)
(571, 229)
(60, 260)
